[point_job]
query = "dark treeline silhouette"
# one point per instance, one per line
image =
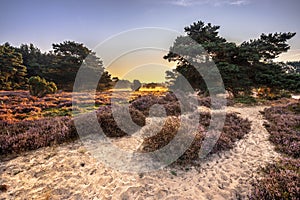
(153, 85)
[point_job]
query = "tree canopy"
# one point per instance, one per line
(68, 57)
(40, 87)
(136, 85)
(295, 64)
(242, 67)
(59, 65)
(12, 70)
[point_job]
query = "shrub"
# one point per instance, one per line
(144, 103)
(33, 134)
(163, 137)
(294, 108)
(109, 125)
(171, 103)
(267, 93)
(25, 108)
(55, 112)
(168, 101)
(281, 181)
(234, 128)
(282, 126)
(40, 87)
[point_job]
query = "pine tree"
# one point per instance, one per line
(12, 71)
(242, 67)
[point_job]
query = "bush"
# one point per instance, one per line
(144, 103)
(234, 128)
(163, 137)
(111, 128)
(169, 101)
(33, 134)
(40, 87)
(171, 104)
(282, 126)
(281, 181)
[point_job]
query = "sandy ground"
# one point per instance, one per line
(70, 172)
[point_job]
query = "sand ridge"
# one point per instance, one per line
(70, 172)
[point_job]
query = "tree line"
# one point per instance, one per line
(59, 65)
(243, 67)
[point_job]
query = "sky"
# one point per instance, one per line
(92, 22)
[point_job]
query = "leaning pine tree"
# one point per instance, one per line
(242, 67)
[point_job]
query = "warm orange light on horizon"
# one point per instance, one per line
(144, 65)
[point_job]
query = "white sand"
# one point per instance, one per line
(69, 172)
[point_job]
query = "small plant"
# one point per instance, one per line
(40, 87)
(55, 112)
(269, 94)
(173, 173)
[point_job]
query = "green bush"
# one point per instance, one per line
(40, 87)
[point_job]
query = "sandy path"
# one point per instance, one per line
(69, 172)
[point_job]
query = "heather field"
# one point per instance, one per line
(258, 145)
(20, 105)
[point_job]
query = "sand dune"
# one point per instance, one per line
(70, 172)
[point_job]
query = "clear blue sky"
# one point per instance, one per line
(44, 22)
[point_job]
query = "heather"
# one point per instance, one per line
(173, 105)
(29, 122)
(32, 134)
(234, 129)
(20, 105)
(283, 127)
(281, 180)
(107, 120)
